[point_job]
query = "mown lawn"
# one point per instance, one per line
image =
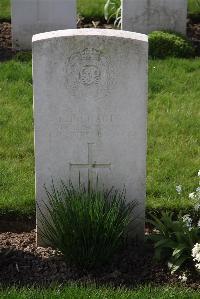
(173, 134)
(194, 6)
(74, 292)
(16, 137)
(4, 9)
(89, 8)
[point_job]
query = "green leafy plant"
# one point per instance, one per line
(88, 227)
(167, 44)
(112, 10)
(174, 239)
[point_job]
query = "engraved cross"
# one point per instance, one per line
(90, 165)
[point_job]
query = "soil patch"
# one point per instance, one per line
(6, 51)
(193, 30)
(5, 35)
(23, 263)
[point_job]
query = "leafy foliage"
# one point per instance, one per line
(112, 10)
(174, 241)
(166, 44)
(88, 227)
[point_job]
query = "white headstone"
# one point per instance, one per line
(30, 17)
(145, 16)
(90, 97)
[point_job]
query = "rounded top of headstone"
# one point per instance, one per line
(90, 32)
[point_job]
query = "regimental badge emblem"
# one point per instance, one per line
(89, 74)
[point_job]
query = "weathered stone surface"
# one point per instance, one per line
(90, 93)
(30, 17)
(145, 16)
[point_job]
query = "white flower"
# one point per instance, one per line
(192, 195)
(197, 258)
(179, 189)
(198, 224)
(196, 252)
(187, 220)
(198, 189)
(198, 267)
(199, 173)
(183, 277)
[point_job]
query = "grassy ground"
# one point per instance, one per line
(4, 9)
(88, 8)
(16, 137)
(194, 6)
(173, 134)
(173, 131)
(74, 292)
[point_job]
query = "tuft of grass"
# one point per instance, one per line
(88, 227)
(84, 292)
